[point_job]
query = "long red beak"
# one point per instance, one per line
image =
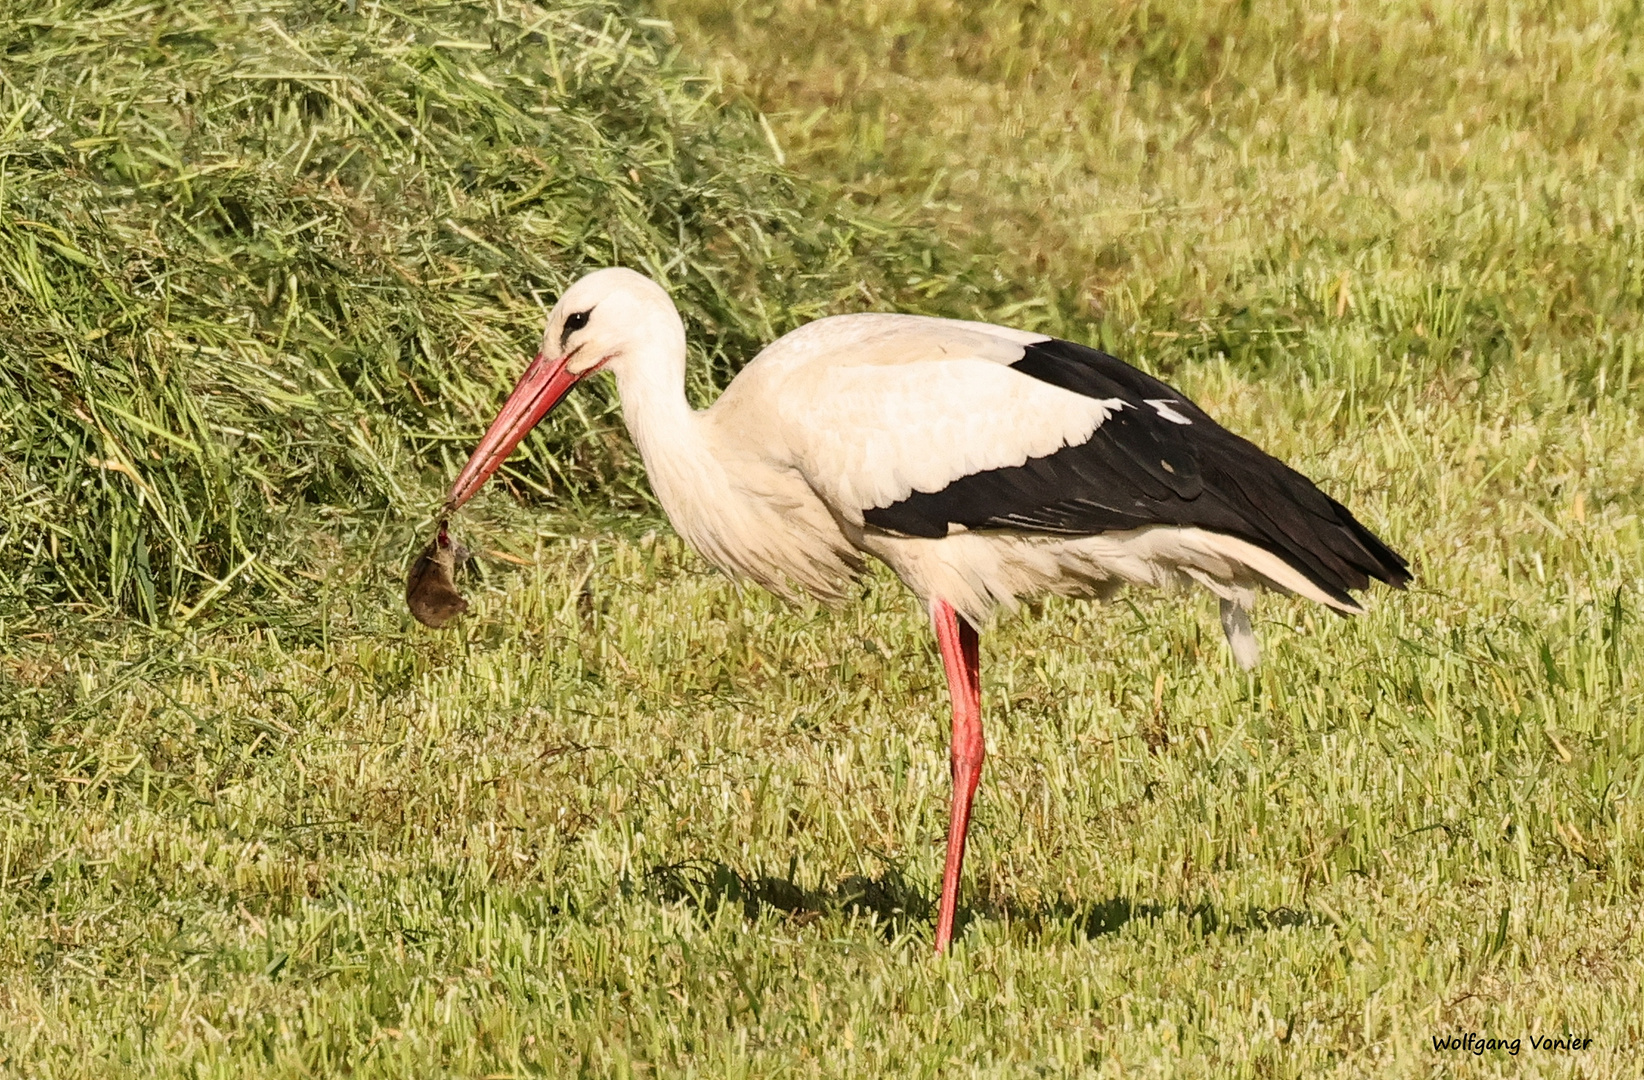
(536, 393)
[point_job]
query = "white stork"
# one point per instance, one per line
(984, 465)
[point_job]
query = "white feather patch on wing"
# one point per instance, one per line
(1163, 407)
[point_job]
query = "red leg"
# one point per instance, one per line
(959, 644)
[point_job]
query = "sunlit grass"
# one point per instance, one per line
(268, 258)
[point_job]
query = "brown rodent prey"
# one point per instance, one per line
(430, 589)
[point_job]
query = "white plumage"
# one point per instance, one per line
(983, 465)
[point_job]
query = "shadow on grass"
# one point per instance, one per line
(1094, 920)
(896, 906)
(888, 899)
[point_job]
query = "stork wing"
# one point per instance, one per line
(1047, 436)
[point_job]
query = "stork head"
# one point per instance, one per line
(608, 319)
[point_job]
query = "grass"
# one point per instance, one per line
(631, 821)
(264, 260)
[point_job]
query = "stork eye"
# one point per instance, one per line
(573, 322)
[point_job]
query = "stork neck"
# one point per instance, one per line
(670, 435)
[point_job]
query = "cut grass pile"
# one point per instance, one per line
(257, 258)
(630, 821)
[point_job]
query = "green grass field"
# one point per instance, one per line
(264, 272)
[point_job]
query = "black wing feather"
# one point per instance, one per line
(1139, 468)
